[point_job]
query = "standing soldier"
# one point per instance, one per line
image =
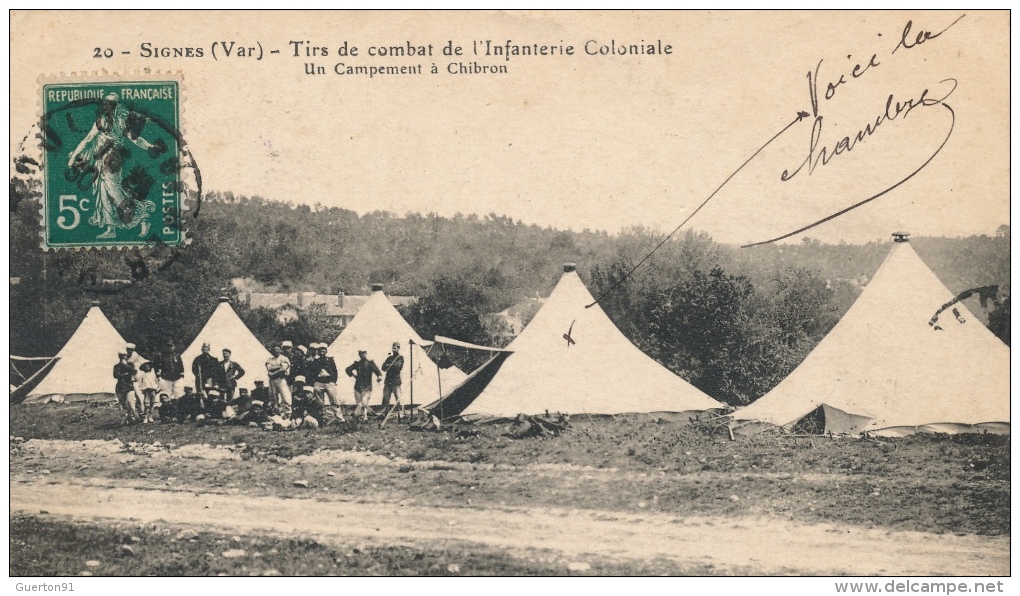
(146, 386)
(323, 372)
(170, 369)
(287, 349)
(206, 369)
(393, 365)
(135, 359)
(230, 372)
(278, 368)
(362, 371)
(124, 372)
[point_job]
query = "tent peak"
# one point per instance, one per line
(224, 299)
(377, 287)
(94, 303)
(568, 267)
(901, 236)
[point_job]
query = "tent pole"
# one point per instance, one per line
(439, 379)
(410, 352)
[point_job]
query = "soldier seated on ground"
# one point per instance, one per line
(305, 403)
(167, 409)
(189, 406)
(242, 401)
(256, 412)
(215, 405)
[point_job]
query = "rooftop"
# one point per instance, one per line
(337, 305)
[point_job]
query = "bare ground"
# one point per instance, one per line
(767, 545)
(618, 492)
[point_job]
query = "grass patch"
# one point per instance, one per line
(46, 547)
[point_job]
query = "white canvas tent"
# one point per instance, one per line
(596, 371)
(374, 329)
(225, 329)
(84, 366)
(884, 369)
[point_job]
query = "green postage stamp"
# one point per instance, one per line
(113, 161)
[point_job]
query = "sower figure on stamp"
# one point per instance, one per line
(170, 369)
(393, 365)
(104, 151)
(278, 368)
(362, 371)
(124, 372)
(230, 372)
(323, 373)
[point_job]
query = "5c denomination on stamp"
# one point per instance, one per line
(112, 164)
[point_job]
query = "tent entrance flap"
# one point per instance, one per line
(456, 401)
(826, 419)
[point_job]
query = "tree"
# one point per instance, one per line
(312, 325)
(701, 330)
(453, 307)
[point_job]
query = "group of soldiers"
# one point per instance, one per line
(302, 387)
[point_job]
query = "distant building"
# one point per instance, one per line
(507, 324)
(339, 306)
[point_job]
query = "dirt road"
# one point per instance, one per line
(765, 545)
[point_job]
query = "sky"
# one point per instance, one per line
(578, 141)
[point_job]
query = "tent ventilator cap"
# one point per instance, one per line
(568, 267)
(377, 287)
(901, 236)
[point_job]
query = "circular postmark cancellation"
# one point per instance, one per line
(115, 169)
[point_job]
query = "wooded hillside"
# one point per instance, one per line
(732, 321)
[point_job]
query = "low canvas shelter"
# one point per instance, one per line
(83, 369)
(374, 329)
(26, 372)
(571, 359)
(225, 329)
(885, 369)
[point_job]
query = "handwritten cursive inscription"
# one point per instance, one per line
(921, 37)
(822, 152)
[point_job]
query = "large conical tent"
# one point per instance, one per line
(884, 369)
(84, 366)
(225, 329)
(571, 359)
(374, 329)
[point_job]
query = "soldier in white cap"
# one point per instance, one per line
(135, 359)
(170, 369)
(323, 373)
(278, 368)
(124, 372)
(287, 348)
